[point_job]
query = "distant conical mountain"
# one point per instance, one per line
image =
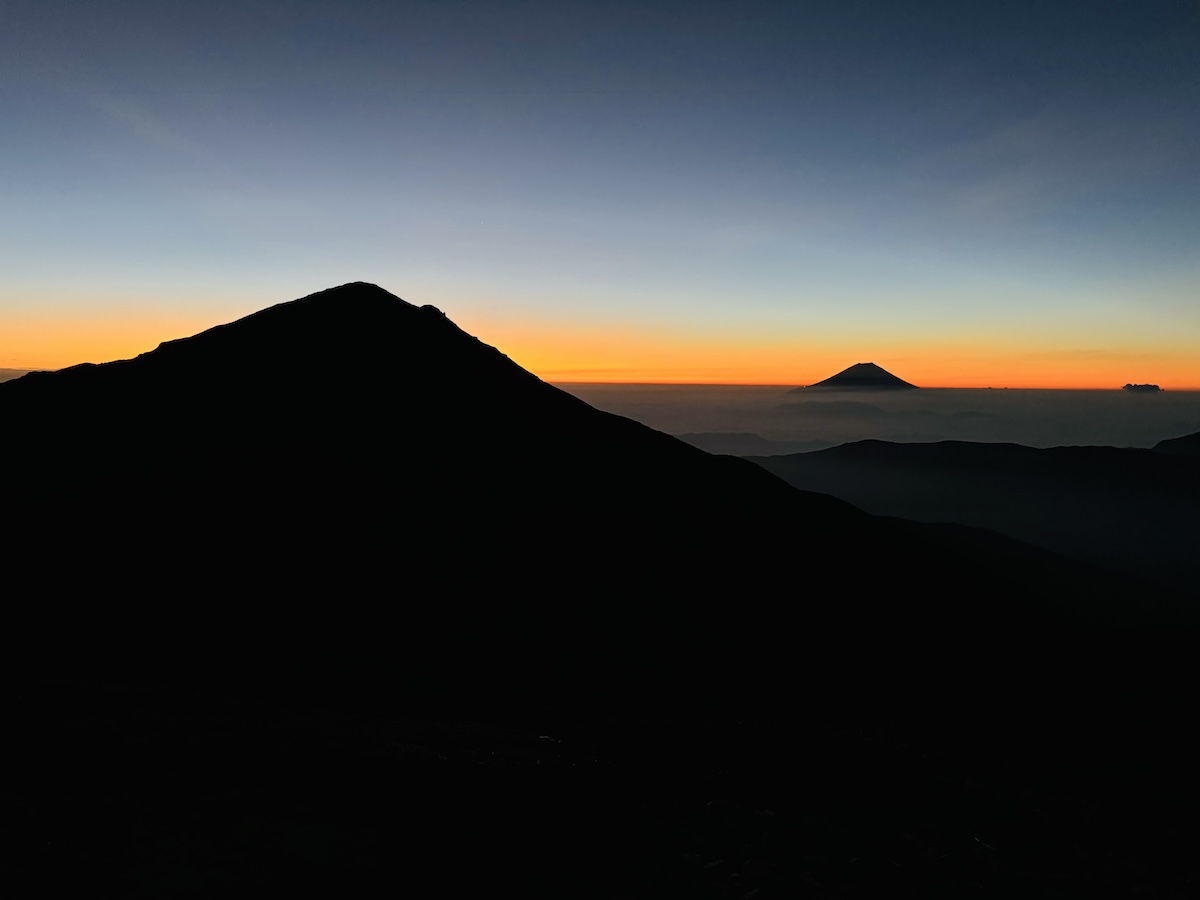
(863, 377)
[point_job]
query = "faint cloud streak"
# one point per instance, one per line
(144, 125)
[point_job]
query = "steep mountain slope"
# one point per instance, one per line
(427, 503)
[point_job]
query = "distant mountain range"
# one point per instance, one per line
(1134, 510)
(861, 377)
(746, 443)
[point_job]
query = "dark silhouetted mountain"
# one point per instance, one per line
(1142, 388)
(427, 624)
(9, 374)
(429, 485)
(861, 377)
(1188, 445)
(1130, 509)
(212, 465)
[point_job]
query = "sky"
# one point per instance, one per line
(966, 194)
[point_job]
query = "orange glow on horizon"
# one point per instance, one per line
(40, 342)
(590, 356)
(580, 352)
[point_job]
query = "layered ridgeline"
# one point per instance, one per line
(348, 486)
(1130, 509)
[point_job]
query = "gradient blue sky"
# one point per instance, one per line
(962, 192)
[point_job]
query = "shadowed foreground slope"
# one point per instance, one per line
(272, 632)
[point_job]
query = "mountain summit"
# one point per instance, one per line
(349, 489)
(347, 481)
(863, 377)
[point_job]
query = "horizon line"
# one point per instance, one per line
(763, 384)
(929, 387)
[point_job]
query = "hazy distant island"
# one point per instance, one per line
(861, 377)
(1142, 388)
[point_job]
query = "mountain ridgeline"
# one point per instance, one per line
(1129, 509)
(427, 511)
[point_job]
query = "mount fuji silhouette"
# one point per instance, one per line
(861, 377)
